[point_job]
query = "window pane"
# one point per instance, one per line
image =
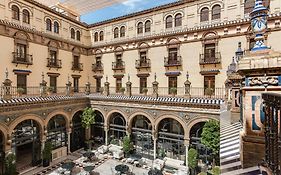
(204, 16)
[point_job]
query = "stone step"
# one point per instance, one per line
(229, 148)
(234, 142)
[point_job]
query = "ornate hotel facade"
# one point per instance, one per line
(170, 60)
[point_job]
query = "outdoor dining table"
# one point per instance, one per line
(122, 168)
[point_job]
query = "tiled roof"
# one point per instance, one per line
(36, 99)
(177, 101)
(163, 100)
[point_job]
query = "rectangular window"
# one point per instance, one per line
(210, 52)
(76, 62)
(21, 52)
(98, 62)
(173, 56)
(118, 84)
(53, 83)
(209, 85)
(76, 84)
(173, 83)
(98, 84)
(21, 82)
(143, 60)
(53, 58)
(119, 61)
(143, 84)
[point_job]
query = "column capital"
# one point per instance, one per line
(186, 142)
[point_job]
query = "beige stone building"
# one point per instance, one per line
(182, 48)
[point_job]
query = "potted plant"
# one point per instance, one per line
(87, 119)
(122, 90)
(144, 91)
(173, 91)
(50, 90)
(10, 164)
(127, 145)
(20, 91)
(47, 154)
(209, 91)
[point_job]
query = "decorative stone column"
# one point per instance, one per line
(68, 140)
(129, 87)
(155, 87)
(106, 130)
(154, 138)
(186, 144)
(128, 131)
(106, 87)
(7, 87)
(187, 85)
(68, 87)
(43, 87)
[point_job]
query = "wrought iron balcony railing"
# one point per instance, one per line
(97, 67)
(143, 63)
(172, 61)
(118, 65)
(77, 66)
(210, 58)
(54, 63)
(19, 58)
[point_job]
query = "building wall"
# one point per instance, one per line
(226, 32)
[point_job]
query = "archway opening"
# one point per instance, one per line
(57, 132)
(170, 141)
(97, 129)
(142, 136)
(117, 130)
(77, 132)
(26, 144)
(195, 141)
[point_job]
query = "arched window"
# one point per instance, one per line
(122, 31)
(178, 20)
(72, 33)
(147, 26)
(101, 35)
(78, 35)
(48, 24)
(116, 32)
(96, 37)
(204, 14)
(25, 16)
(216, 12)
(140, 27)
(169, 22)
(56, 27)
(15, 12)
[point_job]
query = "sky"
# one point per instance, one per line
(121, 9)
